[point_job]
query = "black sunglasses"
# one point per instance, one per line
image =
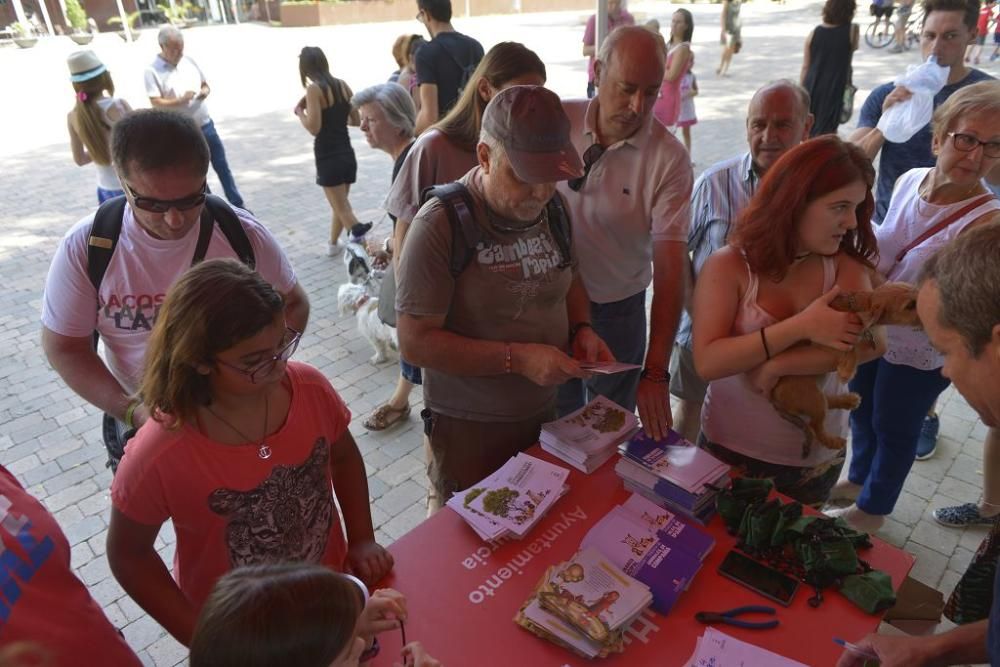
(590, 156)
(164, 205)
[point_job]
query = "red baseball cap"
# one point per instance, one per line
(530, 123)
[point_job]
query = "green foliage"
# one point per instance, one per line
(77, 17)
(499, 502)
(133, 19)
(21, 29)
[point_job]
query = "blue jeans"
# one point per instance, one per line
(104, 195)
(218, 156)
(885, 428)
(622, 325)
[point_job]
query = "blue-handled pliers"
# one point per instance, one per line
(729, 617)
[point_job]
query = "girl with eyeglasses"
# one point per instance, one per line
(247, 453)
(298, 614)
(930, 207)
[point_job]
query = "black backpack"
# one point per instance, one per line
(101, 244)
(466, 234)
(467, 71)
(107, 227)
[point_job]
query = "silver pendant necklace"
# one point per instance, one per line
(263, 449)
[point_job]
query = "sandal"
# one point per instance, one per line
(385, 416)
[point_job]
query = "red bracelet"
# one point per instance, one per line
(508, 366)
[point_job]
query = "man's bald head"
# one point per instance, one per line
(633, 42)
(778, 119)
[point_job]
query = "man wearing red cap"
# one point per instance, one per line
(492, 329)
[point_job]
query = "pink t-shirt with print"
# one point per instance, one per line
(230, 507)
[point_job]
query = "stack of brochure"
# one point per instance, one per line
(653, 545)
(590, 436)
(512, 500)
(673, 473)
(585, 604)
(721, 650)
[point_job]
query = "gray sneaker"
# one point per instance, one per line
(895, 48)
(961, 516)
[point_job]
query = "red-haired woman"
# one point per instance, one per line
(760, 300)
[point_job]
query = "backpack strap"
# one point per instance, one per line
(465, 233)
(104, 233)
(218, 211)
(560, 228)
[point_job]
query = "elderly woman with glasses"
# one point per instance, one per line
(929, 208)
(248, 453)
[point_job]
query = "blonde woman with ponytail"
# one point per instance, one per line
(90, 121)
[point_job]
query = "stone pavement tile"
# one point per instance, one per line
(894, 532)
(376, 487)
(948, 581)
(933, 535)
(98, 543)
(68, 515)
(107, 591)
(379, 517)
(920, 486)
(967, 469)
(961, 491)
(973, 536)
(956, 428)
(400, 498)
(406, 521)
(142, 632)
(35, 474)
(909, 509)
(69, 495)
(96, 570)
(403, 468)
(960, 559)
(84, 529)
(929, 566)
(66, 479)
(80, 553)
(167, 652)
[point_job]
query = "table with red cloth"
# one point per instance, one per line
(463, 593)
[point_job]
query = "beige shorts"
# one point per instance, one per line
(685, 383)
(463, 452)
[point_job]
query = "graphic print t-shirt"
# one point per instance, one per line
(41, 600)
(141, 271)
(229, 506)
(513, 290)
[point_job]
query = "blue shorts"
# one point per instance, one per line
(104, 195)
(410, 373)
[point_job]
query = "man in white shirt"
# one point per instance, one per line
(174, 81)
(163, 225)
(630, 214)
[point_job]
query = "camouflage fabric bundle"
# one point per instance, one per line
(818, 550)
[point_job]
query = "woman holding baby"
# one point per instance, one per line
(930, 206)
(761, 312)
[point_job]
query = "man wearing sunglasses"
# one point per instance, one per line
(161, 159)
(630, 213)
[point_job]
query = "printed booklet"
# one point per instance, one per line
(585, 604)
(588, 437)
(512, 500)
(665, 563)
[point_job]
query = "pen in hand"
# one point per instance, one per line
(854, 648)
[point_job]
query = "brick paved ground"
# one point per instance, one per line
(51, 440)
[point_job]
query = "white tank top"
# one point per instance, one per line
(738, 418)
(908, 217)
(107, 179)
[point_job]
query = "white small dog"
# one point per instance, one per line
(358, 300)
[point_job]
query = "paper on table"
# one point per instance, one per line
(717, 649)
(607, 367)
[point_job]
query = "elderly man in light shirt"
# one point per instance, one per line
(778, 119)
(174, 81)
(630, 213)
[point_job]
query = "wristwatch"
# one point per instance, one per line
(657, 375)
(575, 329)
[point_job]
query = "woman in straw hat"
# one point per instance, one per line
(90, 121)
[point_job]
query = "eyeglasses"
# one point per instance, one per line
(289, 344)
(590, 156)
(968, 143)
(164, 205)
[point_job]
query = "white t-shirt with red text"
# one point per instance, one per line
(135, 284)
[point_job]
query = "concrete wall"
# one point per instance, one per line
(373, 11)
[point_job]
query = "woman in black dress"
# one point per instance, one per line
(826, 64)
(325, 111)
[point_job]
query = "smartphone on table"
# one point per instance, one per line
(760, 578)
